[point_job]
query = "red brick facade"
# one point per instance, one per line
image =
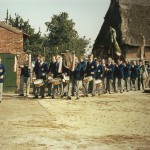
(132, 53)
(11, 42)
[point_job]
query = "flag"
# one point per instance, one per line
(60, 66)
(15, 64)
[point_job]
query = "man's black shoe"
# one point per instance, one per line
(53, 97)
(69, 98)
(21, 95)
(65, 94)
(36, 96)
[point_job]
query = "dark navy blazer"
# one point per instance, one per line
(83, 69)
(76, 72)
(127, 71)
(91, 68)
(134, 71)
(109, 73)
(2, 72)
(120, 71)
(41, 71)
(99, 72)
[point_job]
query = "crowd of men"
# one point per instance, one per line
(115, 76)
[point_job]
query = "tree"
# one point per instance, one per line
(34, 43)
(62, 36)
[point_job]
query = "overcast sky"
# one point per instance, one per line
(88, 15)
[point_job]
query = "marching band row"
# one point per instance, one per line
(99, 76)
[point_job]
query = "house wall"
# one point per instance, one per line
(11, 43)
(132, 52)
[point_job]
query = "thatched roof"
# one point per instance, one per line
(130, 19)
(135, 16)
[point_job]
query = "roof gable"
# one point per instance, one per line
(10, 28)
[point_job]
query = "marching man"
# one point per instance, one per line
(25, 77)
(40, 70)
(90, 71)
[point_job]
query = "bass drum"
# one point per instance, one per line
(98, 82)
(88, 79)
(56, 81)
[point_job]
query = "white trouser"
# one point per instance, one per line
(1, 90)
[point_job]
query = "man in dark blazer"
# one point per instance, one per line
(76, 76)
(134, 75)
(90, 71)
(119, 76)
(57, 73)
(99, 75)
(51, 71)
(127, 74)
(82, 73)
(36, 72)
(25, 77)
(41, 71)
(109, 74)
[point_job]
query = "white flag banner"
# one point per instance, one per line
(15, 64)
(60, 66)
(73, 62)
(30, 61)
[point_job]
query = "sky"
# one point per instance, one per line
(88, 15)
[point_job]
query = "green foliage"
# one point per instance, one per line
(62, 36)
(33, 42)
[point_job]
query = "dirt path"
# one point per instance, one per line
(107, 122)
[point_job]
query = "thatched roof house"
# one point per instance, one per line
(130, 19)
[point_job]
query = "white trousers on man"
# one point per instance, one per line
(72, 87)
(1, 91)
(93, 87)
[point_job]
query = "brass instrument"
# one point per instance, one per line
(114, 41)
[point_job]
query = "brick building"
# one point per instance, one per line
(11, 42)
(131, 20)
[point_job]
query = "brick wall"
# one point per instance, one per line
(132, 53)
(11, 42)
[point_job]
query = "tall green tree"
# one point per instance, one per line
(34, 42)
(63, 36)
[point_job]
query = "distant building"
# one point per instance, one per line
(131, 20)
(11, 42)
